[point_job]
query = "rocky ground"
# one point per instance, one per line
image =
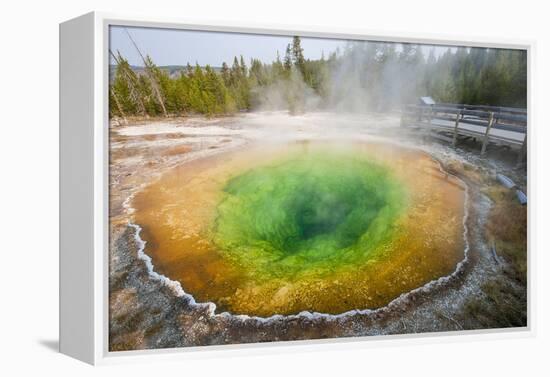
(488, 289)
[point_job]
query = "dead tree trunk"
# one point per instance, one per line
(150, 74)
(119, 106)
(131, 82)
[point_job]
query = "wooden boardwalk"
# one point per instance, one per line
(501, 126)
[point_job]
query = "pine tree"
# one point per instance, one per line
(298, 55)
(277, 69)
(128, 88)
(288, 59)
(225, 72)
(244, 71)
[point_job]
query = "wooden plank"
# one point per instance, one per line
(442, 137)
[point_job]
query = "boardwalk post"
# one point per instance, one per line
(457, 121)
(488, 129)
(430, 116)
(522, 151)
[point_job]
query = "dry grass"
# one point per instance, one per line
(503, 303)
(499, 306)
(503, 298)
(507, 228)
(468, 172)
(127, 342)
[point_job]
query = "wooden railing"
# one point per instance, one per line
(490, 124)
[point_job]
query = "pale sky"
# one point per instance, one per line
(178, 47)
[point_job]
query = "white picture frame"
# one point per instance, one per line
(84, 187)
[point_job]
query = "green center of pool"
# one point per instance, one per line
(309, 214)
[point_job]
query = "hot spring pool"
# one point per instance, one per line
(324, 227)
